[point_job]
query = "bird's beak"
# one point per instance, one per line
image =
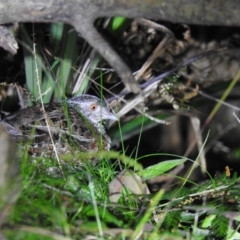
(106, 114)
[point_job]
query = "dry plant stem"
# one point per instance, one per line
(160, 77)
(191, 60)
(203, 193)
(20, 96)
(201, 161)
(155, 25)
(95, 39)
(44, 112)
(147, 91)
(137, 100)
(198, 134)
(152, 85)
(234, 108)
(159, 49)
(83, 72)
(216, 138)
(234, 114)
(198, 131)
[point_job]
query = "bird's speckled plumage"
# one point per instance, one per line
(74, 125)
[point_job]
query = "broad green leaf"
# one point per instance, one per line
(65, 71)
(207, 222)
(160, 168)
(56, 30)
(233, 234)
(117, 22)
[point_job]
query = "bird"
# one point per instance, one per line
(68, 126)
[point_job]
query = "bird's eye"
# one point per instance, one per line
(93, 107)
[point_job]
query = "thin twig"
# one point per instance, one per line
(160, 77)
(41, 100)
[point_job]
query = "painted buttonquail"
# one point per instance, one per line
(73, 125)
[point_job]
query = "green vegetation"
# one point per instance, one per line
(68, 200)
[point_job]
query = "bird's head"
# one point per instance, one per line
(92, 108)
